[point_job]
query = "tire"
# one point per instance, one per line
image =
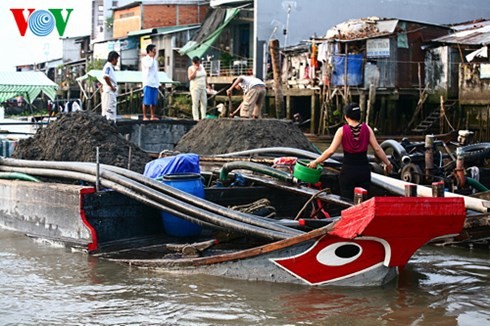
(475, 152)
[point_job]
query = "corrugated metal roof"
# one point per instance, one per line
(471, 36)
(358, 29)
(229, 3)
(127, 76)
(26, 83)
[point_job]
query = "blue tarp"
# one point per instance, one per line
(181, 163)
(354, 70)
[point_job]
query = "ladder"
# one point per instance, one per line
(428, 122)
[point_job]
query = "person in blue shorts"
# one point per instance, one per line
(151, 83)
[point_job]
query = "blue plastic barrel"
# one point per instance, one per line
(192, 184)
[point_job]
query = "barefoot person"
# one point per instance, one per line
(151, 84)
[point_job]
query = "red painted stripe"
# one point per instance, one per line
(94, 244)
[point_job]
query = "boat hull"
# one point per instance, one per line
(366, 246)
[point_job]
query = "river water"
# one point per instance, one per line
(45, 285)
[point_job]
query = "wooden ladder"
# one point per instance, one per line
(434, 118)
(428, 122)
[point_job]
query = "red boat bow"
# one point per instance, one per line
(381, 231)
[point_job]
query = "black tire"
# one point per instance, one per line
(475, 152)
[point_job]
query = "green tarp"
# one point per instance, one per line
(28, 84)
(126, 76)
(209, 32)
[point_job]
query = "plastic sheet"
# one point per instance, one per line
(181, 163)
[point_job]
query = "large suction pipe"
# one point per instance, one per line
(398, 149)
(170, 191)
(165, 204)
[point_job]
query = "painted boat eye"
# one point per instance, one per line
(338, 254)
(347, 251)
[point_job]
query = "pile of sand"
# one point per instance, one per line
(219, 136)
(75, 137)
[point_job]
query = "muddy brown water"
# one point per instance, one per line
(43, 284)
(47, 285)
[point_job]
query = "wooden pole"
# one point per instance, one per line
(370, 101)
(345, 73)
(276, 68)
(441, 116)
(288, 106)
(313, 111)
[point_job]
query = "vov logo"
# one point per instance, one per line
(41, 22)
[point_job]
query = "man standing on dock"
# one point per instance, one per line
(109, 87)
(151, 83)
(254, 92)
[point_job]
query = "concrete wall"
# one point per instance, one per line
(473, 90)
(156, 136)
(438, 72)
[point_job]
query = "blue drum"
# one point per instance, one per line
(192, 184)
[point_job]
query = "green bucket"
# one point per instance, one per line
(306, 174)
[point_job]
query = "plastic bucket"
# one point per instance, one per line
(192, 184)
(306, 174)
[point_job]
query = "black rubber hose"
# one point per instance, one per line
(401, 152)
(170, 191)
(164, 204)
(89, 178)
(267, 170)
(218, 209)
(171, 200)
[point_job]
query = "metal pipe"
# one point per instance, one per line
(398, 187)
(97, 171)
(429, 156)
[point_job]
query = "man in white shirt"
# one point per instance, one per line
(151, 83)
(254, 92)
(198, 85)
(109, 87)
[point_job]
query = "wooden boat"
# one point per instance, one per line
(118, 215)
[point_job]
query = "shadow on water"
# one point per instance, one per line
(46, 285)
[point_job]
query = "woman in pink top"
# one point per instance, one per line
(355, 138)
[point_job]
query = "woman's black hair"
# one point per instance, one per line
(150, 47)
(353, 111)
